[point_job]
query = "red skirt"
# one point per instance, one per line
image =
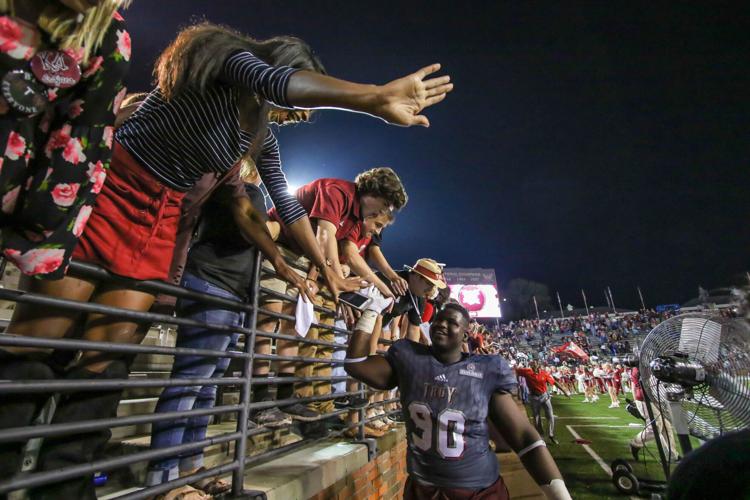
(132, 229)
(413, 490)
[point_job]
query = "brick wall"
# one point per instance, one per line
(382, 478)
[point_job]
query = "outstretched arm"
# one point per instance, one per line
(375, 254)
(399, 102)
(254, 230)
(374, 370)
(518, 432)
(361, 268)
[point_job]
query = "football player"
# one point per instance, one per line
(447, 396)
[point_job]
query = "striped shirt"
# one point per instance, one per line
(196, 133)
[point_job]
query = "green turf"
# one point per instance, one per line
(586, 480)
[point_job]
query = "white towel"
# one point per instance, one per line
(304, 316)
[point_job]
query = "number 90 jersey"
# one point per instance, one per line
(446, 409)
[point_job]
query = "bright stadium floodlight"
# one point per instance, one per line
(292, 188)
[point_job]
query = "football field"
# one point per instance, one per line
(586, 466)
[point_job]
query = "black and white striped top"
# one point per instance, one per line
(192, 134)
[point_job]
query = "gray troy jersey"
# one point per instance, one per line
(446, 410)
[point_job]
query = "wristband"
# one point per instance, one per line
(366, 322)
(535, 444)
(354, 360)
(556, 490)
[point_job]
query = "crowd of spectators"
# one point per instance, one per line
(167, 187)
(597, 334)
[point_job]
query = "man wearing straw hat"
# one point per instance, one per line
(422, 279)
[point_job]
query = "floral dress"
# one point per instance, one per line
(53, 164)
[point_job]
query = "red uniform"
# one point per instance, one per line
(537, 382)
(617, 379)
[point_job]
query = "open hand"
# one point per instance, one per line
(300, 283)
(401, 101)
(337, 285)
(400, 285)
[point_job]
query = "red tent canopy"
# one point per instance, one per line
(572, 349)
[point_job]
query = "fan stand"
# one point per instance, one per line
(678, 421)
(622, 472)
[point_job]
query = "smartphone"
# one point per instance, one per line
(354, 299)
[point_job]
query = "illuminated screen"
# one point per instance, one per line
(480, 300)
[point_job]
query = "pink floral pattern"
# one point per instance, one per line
(64, 194)
(54, 165)
(76, 108)
(73, 151)
(97, 175)
(9, 200)
(16, 146)
(117, 102)
(18, 40)
(81, 220)
(123, 44)
(93, 66)
(37, 260)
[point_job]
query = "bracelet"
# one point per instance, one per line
(535, 444)
(357, 360)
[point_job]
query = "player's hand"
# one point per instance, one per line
(401, 101)
(347, 314)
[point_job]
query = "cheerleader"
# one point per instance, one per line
(580, 376)
(608, 377)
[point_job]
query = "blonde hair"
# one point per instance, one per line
(248, 170)
(62, 25)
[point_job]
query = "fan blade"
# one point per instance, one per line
(699, 339)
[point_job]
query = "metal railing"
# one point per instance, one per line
(249, 332)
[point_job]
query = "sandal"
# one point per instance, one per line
(186, 492)
(212, 486)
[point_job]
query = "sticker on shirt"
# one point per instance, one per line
(471, 371)
(56, 68)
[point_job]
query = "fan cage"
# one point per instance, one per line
(721, 403)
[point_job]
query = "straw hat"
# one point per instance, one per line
(430, 270)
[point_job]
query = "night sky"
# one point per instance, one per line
(584, 144)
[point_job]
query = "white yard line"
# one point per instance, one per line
(600, 425)
(591, 452)
(586, 418)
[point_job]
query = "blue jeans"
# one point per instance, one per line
(183, 398)
(338, 370)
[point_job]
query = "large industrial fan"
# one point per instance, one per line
(695, 368)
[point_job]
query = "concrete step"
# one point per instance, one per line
(126, 478)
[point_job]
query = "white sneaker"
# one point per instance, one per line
(586, 400)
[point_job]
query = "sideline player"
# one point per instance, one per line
(540, 399)
(447, 396)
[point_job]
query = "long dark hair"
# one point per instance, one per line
(195, 58)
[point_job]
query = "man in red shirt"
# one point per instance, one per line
(336, 208)
(537, 380)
